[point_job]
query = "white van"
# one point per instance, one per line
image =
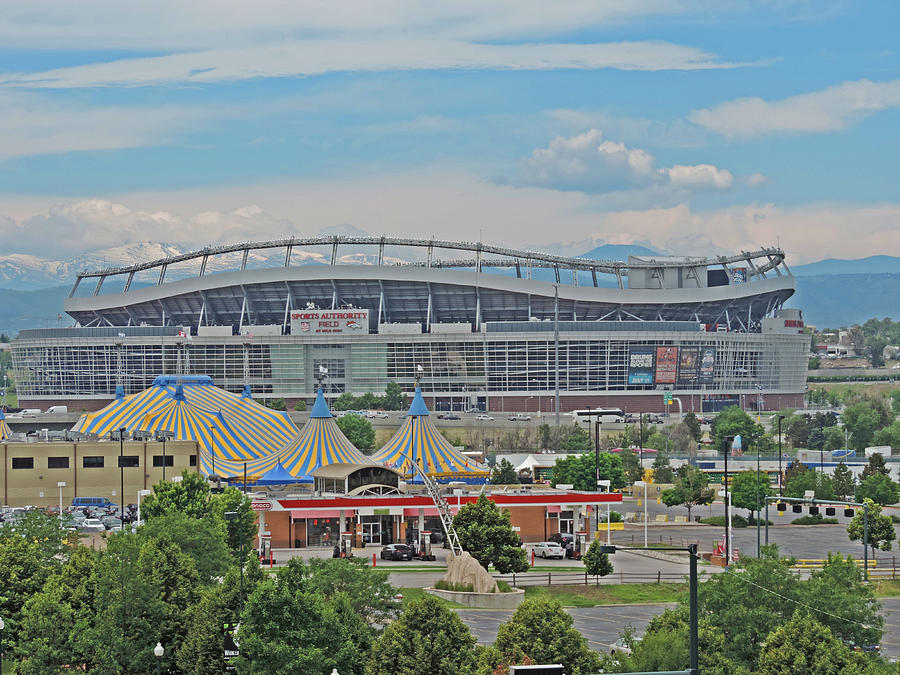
(58, 409)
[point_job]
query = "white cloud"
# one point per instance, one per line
(590, 164)
(830, 109)
(316, 57)
(756, 179)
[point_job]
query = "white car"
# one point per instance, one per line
(549, 549)
(484, 418)
(92, 525)
(519, 417)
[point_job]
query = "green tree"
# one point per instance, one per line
(631, 464)
(241, 530)
(190, 497)
(693, 424)
(504, 473)
(542, 632)
(358, 431)
(876, 466)
(662, 470)
(820, 482)
(300, 405)
(366, 588)
(203, 539)
(595, 562)
(277, 404)
(733, 421)
(345, 401)
(880, 489)
(485, 532)
(23, 570)
(816, 439)
(793, 470)
(427, 639)
(834, 439)
(889, 435)
(580, 471)
(881, 528)
(46, 530)
(843, 480)
(394, 398)
(862, 420)
(577, 440)
(803, 645)
(749, 492)
(691, 489)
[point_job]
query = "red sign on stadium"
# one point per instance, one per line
(329, 321)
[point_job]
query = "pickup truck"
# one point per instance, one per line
(519, 417)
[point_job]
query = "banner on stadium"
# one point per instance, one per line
(640, 365)
(666, 365)
(329, 321)
(688, 366)
(707, 364)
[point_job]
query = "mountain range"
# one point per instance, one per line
(830, 292)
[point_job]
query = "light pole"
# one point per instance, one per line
(158, 652)
(694, 613)
(608, 485)
(161, 437)
(212, 436)
(643, 484)
(2, 626)
(61, 484)
(141, 493)
(122, 474)
(780, 475)
(231, 516)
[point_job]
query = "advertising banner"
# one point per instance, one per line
(329, 321)
(666, 364)
(688, 366)
(640, 365)
(707, 364)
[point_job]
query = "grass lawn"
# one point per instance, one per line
(886, 589)
(410, 594)
(609, 594)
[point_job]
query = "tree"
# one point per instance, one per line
(843, 481)
(189, 497)
(733, 421)
(881, 528)
(366, 588)
(631, 464)
(277, 404)
(805, 645)
(820, 482)
(691, 489)
(300, 405)
(485, 532)
(240, 531)
(889, 435)
(23, 570)
(863, 419)
(834, 439)
(580, 471)
(749, 491)
(358, 431)
(693, 424)
(681, 440)
(879, 488)
(577, 440)
(875, 466)
(427, 639)
(345, 401)
(394, 398)
(504, 473)
(595, 562)
(47, 531)
(662, 470)
(816, 439)
(203, 539)
(542, 632)
(794, 469)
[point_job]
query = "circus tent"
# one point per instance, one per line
(4, 427)
(419, 441)
(231, 429)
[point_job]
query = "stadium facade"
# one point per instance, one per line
(480, 326)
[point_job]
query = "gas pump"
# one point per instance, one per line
(425, 546)
(265, 553)
(346, 544)
(580, 545)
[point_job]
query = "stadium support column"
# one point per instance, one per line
(556, 350)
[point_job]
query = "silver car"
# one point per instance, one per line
(92, 525)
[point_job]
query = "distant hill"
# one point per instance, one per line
(876, 264)
(32, 309)
(618, 252)
(835, 300)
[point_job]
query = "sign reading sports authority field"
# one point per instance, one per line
(329, 321)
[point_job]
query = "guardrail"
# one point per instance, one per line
(818, 563)
(885, 574)
(585, 579)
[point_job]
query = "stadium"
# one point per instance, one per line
(480, 326)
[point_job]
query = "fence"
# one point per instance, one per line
(585, 579)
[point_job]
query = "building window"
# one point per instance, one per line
(158, 460)
(193, 461)
(23, 462)
(92, 462)
(128, 461)
(57, 462)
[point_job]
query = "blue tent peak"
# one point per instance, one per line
(2, 414)
(418, 406)
(246, 392)
(320, 408)
(277, 475)
(179, 392)
(169, 380)
(120, 392)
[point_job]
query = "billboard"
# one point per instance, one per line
(707, 364)
(688, 366)
(640, 365)
(329, 321)
(666, 365)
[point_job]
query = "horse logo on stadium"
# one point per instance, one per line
(355, 325)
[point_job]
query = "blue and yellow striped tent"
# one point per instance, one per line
(320, 442)
(419, 441)
(233, 426)
(4, 427)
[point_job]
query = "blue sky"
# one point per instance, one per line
(698, 127)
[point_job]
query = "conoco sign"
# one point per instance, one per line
(260, 506)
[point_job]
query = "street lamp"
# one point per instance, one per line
(233, 515)
(161, 437)
(694, 613)
(122, 474)
(141, 493)
(61, 484)
(608, 485)
(158, 652)
(2, 626)
(780, 478)
(734, 442)
(642, 483)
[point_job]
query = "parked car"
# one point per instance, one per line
(519, 417)
(622, 645)
(452, 416)
(549, 549)
(92, 525)
(484, 418)
(377, 414)
(111, 523)
(566, 540)
(396, 552)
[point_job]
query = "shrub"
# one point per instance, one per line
(814, 520)
(442, 585)
(719, 521)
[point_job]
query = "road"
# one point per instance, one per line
(602, 626)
